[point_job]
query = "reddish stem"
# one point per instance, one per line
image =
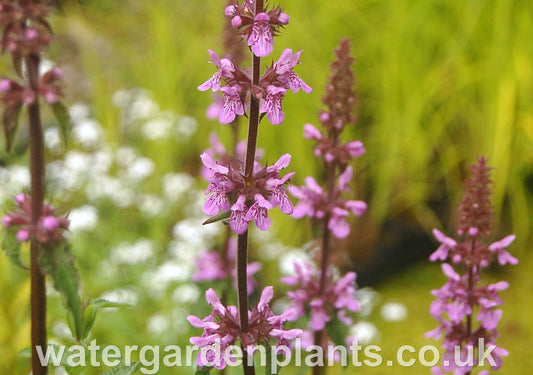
(37, 170)
(242, 242)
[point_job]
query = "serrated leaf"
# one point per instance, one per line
(123, 370)
(92, 308)
(203, 370)
(63, 118)
(222, 216)
(11, 123)
(11, 247)
(57, 261)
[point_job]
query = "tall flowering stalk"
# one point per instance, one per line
(26, 36)
(318, 288)
(465, 308)
(246, 190)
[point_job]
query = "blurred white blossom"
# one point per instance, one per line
(83, 218)
(394, 311)
(136, 253)
(364, 332)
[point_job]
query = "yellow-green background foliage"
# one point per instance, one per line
(440, 82)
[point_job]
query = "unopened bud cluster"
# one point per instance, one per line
(48, 229)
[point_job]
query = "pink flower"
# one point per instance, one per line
(338, 296)
(260, 39)
(272, 104)
(499, 248)
(284, 68)
(313, 202)
(447, 244)
(225, 70)
(210, 266)
(232, 104)
(249, 199)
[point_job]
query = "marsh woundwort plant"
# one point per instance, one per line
(464, 300)
(329, 296)
(26, 37)
(246, 190)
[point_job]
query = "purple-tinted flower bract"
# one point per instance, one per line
(222, 327)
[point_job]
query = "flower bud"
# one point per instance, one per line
(23, 235)
(6, 221)
(283, 18)
(50, 223)
(236, 21)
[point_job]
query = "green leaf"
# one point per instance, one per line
(63, 118)
(337, 331)
(222, 216)
(11, 247)
(203, 370)
(123, 370)
(61, 351)
(57, 261)
(11, 123)
(26, 352)
(92, 308)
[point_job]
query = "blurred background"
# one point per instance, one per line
(439, 83)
